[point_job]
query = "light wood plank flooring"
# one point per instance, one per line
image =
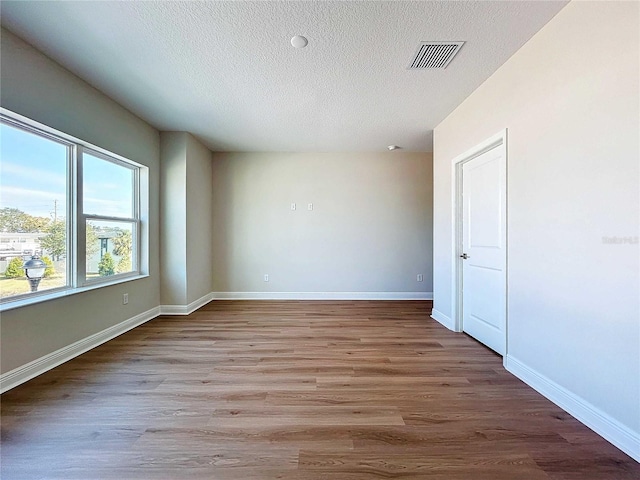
(295, 391)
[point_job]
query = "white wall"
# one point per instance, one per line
(369, 230)
(36, 87)
(186, 258)
(570, 101)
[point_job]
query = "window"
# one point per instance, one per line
(75, 205)
(109, 209)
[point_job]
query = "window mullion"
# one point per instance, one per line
(80, 224)
(71, 209)
(91, 216)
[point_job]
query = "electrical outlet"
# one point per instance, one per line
(420, 278)
(293, 206)
(266, 277)
(125, 298)
(310, 206)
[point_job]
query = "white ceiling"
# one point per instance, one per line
(226, 71)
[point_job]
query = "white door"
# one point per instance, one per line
(484, 249)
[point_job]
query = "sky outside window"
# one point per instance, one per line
(33, 178)
(108, 188)
(33, 173)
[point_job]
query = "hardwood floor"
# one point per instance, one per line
(295, 391)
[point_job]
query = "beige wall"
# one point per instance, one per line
(173, 218)
(570, 101)
(369, 230)
(199, 221)
(186, 258)
(36, 87)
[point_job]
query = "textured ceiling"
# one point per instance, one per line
(226, 71)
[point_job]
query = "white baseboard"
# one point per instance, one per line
(610, 429)
(186, 309)
(19, 375)
(322, 295)
(443, 319)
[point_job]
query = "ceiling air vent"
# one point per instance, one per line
(434, 55)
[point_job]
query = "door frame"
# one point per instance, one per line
(499, 140)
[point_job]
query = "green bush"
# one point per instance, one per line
(106, 266)
(14, 269)
(124, 265)
(49, 270)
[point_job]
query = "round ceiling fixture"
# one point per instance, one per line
(393, 147)
(299, 41)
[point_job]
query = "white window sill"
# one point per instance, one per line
(44, 297)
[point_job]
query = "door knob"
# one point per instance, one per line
(464, 256)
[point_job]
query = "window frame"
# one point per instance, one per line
(76, 278)
(83, 218)
(22, 123)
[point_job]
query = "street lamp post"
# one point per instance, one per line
(34, 270)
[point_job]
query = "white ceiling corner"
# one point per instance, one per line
(226, 71)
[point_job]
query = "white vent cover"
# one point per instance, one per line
(434, 55)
